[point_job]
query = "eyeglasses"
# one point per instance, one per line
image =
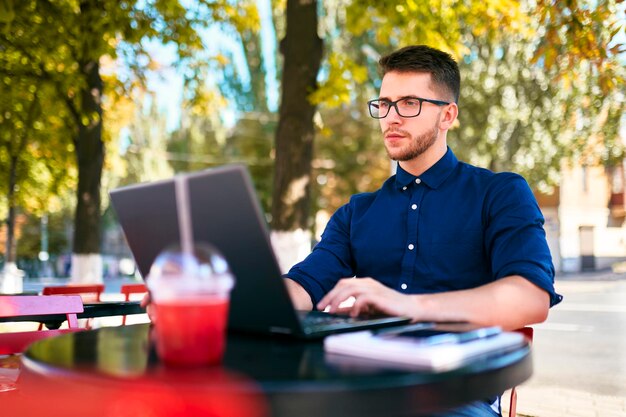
(405, 107)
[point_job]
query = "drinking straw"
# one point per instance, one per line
(184, 216)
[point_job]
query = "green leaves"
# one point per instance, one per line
(581, 31)
(540, 81)
(343, 74)
(7, 13)
(69, 49)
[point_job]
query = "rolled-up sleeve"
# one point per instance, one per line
(514, 234)
(330, 260)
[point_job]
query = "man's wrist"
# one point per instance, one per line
(299, 296)
(421, 306)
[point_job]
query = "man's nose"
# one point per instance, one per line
(393, 116)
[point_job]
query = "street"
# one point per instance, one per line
(583, 343)
(579, 353)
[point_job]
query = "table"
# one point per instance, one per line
(294, 378)
(90, 310)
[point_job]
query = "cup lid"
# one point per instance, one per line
(203, 271)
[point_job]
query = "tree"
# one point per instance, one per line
(29, 245)
(251, 95)
(32, 164)
(302, 51)
(200, 140)
(148, 138)
(62, 44)
(515, 117)
(581, 30)
(567, 39)
(347, 71)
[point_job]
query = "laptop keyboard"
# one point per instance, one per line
(318, 321)
(326, 319)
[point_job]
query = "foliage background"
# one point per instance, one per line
(543, 85)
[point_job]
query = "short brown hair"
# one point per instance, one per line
(421, 58)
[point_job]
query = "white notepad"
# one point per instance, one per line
(440, 355)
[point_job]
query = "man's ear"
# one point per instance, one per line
(448, 116)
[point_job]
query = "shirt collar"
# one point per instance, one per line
(434, 176)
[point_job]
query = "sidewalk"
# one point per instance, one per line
(601, 275)
(550, 401)
(536, 399)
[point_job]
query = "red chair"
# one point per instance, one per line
(528, 332)
(87, 292)
(36, 305)
(128, 289)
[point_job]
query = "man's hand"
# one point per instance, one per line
(510, 302)
(371, 297)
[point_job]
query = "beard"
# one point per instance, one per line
(417, 145)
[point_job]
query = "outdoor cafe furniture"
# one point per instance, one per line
(28, 307)
(128, 290)
(88, 293)
(90, 310)
(294, 378)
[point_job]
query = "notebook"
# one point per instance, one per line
(430, 346)
(224, 211)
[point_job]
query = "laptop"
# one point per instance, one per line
(224, 211)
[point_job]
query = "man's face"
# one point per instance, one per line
(408, 137)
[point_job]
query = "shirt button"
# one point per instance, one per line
(411, 246)
(403, 286)
(404, 188)
(414, 206)
(417, 181)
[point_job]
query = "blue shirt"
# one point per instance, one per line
(454, 227)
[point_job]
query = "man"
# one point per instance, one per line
(441, 240)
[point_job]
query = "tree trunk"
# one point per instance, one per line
(11, 278)
(10, 246)
(15, 151)
(251, 43)
(90, 159)
(302, 52)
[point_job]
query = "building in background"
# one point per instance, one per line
(585, 219)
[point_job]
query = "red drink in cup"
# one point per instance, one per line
(190, 293)
(191, 331)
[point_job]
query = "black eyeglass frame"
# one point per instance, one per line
(395, 105)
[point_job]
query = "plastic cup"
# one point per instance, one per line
(190, 293)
